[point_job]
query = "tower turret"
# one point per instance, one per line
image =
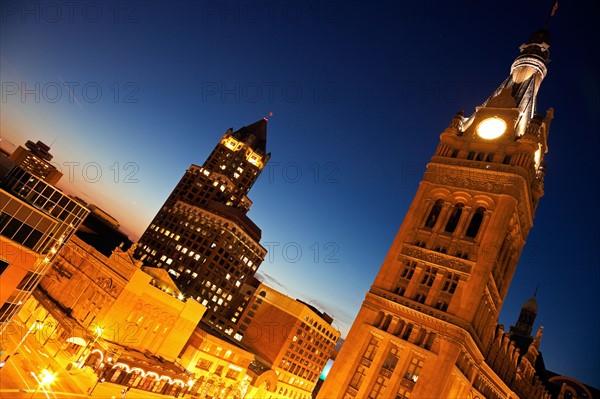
(526, 318)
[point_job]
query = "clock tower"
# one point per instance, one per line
(428, 325)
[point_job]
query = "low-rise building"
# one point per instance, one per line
(134, 306)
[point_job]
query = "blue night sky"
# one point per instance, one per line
(131, 93)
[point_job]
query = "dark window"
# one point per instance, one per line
(454, 218)
(433, 215)
(29, 282)
(3, 266)
(475, 224)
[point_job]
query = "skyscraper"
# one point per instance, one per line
(428, 322)
(202, 235)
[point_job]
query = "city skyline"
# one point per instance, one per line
(345, 164)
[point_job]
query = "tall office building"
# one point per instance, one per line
(202, 235)
(428, 325)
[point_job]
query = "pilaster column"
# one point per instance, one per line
(466, 215)
(442, 217)
(486, 219)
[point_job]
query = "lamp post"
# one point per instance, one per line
(46, 378)
(37, 325)
(98, 334)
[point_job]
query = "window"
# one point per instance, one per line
(441, 305)
(233, 374)
(371, 349)
(420, 297)
(450, 283)
(454, 218)
(3, 266)
(358, 377)
(403, 393)
(429, 276)
(414, 369)
(475, 224)
(378, 389)
(433, 215)
(408, 270)
(391, 360)
(28, 282)
(204, 364)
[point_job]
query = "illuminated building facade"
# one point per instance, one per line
(36, 220)
(134, 306)
(220, 368)
(292, 338)
(202, 235)
(428, 325)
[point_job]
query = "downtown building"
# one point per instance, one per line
(202, 235)
(36, 220)
(428, 325)
(292, 341)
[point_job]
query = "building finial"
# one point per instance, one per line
(537, 287)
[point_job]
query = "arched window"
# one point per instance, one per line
(475, 224)
(433, 215)
(454, 218)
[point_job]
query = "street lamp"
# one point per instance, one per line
(37, 325)
(46, 378)
(98, 331)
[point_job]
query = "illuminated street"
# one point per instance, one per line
(16, 380)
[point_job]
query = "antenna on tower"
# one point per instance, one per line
(552, 12)
(268, 116)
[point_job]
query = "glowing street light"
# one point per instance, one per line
(45, 378)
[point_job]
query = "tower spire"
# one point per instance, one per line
(519, 90)
(552, 12)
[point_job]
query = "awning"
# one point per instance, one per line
(77, 341)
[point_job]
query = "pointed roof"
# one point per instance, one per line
(531, 304)
(259, 130)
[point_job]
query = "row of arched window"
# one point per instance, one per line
(454, 218)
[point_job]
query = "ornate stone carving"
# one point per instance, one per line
(436, 258)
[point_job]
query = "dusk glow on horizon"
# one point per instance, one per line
(356, 95)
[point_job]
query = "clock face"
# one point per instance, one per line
(491, 128)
